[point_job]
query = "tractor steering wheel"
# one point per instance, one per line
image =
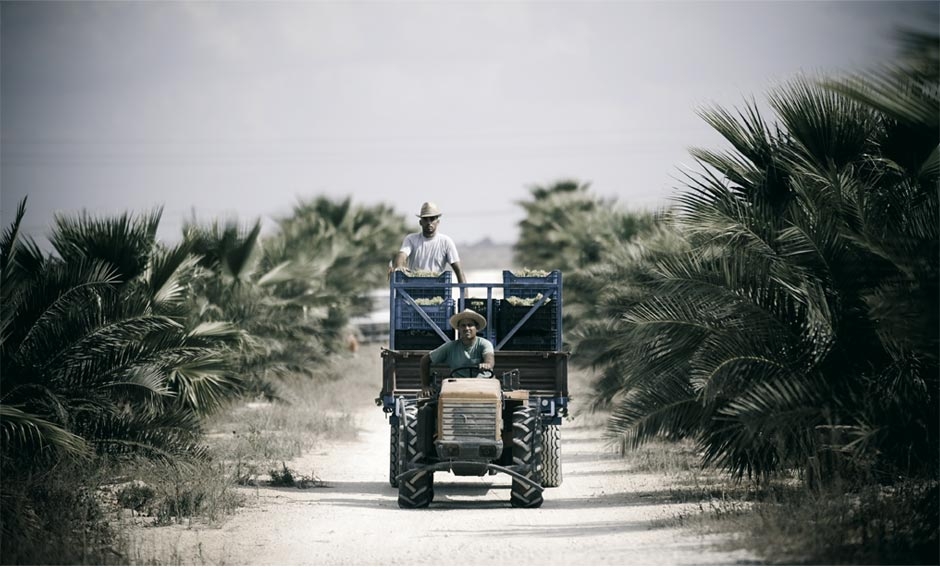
(486, 372)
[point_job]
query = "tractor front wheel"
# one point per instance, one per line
(526, 458)
(415, 490)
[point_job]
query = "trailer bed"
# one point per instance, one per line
(526, 334)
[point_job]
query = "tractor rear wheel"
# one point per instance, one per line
(394, 465)
(551, 456)
(415, 490)
(526, 457)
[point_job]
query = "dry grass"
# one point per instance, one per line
(875, 525)
(250, 444)
(785, 523)
(782, 521)
(58, 518)
(256, 438)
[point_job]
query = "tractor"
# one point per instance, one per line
(502, 421)
(471, 427)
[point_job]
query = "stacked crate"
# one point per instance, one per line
(478, 304)
(426, 286)
(541, 331)
(412, 332)
(512, 284)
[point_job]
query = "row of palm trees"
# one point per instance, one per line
(114, 345)
(784, 313)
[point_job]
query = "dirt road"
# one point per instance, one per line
(600, 515)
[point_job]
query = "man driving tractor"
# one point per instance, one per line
(461, 354)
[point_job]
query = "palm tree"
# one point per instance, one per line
(291, 292)
(94, 354)
(570, 229)
(567, 228)
(801, 324)
(354, 238)
(345, 247)
(230, 284)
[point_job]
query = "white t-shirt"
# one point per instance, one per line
(429, 254)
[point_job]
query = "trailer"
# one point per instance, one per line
(505, 422)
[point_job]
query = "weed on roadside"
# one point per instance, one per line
(785, 523)
(58, 518)
(252, 438)
(286, 477)
(170, 494)
(875, 525)
(153, 553)
(664, 457)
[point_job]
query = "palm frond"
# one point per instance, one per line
(214, 330)
(166, 276)
(9, 239)
(107, 345)
(277, 275)
(826, 129)
(747, 131)
(203, 379)
(42, 306)
(145, 378)
(666, 409)
(912, 102)
(930, 169)
(242, 255)
(168, 436)
(125, 242)
(21, 430)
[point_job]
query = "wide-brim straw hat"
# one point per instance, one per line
(480, 320)
(429, 210)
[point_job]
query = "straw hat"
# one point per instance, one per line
(480, 320)
(429, 210)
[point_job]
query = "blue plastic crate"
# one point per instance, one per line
(479, 305)
(539, 332)
(544, 320)
(407, 316)
(547, 343)
(438, 286)
(546, 283)
(417, 340)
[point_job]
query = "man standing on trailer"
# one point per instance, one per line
(467, 350)
(428, 250)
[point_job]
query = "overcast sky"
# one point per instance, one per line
(237, 110)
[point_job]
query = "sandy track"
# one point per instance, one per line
(601, 515)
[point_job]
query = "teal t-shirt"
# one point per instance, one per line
(455, 355)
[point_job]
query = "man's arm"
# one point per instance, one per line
(458, 271)
(397, 263)
(488, 356)
(454, 258)
(399, 260)
(489, 361)
(426, 376)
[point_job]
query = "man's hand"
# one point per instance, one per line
(485, 366)
(425, 391)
